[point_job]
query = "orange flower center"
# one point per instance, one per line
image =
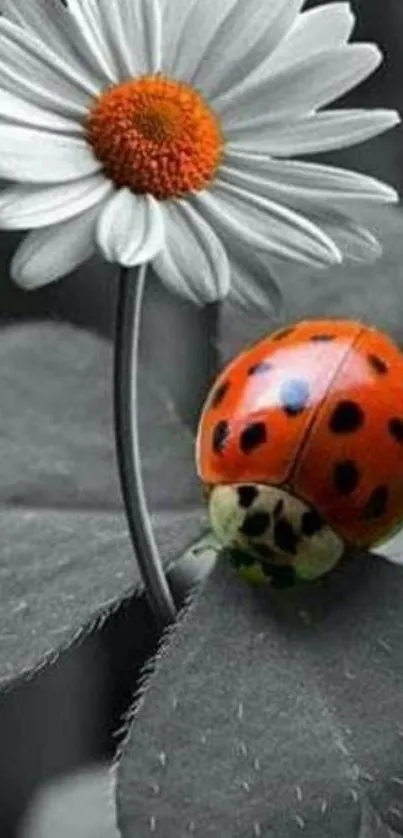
(157, 136)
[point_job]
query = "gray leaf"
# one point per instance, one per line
(65, 555)
(274, 712)
(372, 825)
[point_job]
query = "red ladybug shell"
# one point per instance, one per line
(318, 409)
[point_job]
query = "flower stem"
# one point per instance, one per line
(128, 323)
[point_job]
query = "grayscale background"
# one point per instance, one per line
(62, 719)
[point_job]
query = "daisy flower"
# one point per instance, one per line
(166, 131)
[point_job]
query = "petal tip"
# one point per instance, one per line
(393, 196)
(384, 193)
(395, 118)
(374, 53)
(346, 10)
(330, 254)
(21, 276)
(338, 257)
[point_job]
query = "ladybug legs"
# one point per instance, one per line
(274, 527)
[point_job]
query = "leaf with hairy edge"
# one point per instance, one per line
(65, 555)
(273, 712)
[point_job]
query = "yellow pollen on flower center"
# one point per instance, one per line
(157, 136)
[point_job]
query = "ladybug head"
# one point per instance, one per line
(274, 526)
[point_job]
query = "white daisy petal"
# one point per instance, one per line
(51, 252)
(193, 263)
(246, 37)
(38, 157)
(324, 131)
(31, 70)
(39, 19)
(73, 30)
(355, 242)
(16, 41)
(189, 21)
(253, 285)
(297, 90)
(130, 229)
(82, 24)
(326, 199)
(264, 68)
(20, 112)
(266, 225)
(134, 32)
(316, 30)
(22, 207)
(295, 183)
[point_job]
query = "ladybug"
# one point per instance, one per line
(300, 449)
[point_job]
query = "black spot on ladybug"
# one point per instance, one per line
(260, 368)
(219, 394)
(311, 523)
(346, 477)
(240, 558)
(267, 569)
(396, 429)
(294, 396)
(283, 333)
(378, 364)
(255, 525)
(252, 436)
(246, 495)
(346, 418)
(278, 508)
(220, 436)
(284, 536)
(264, 551)
(280, 577)
(322, 338)
(376, 504)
